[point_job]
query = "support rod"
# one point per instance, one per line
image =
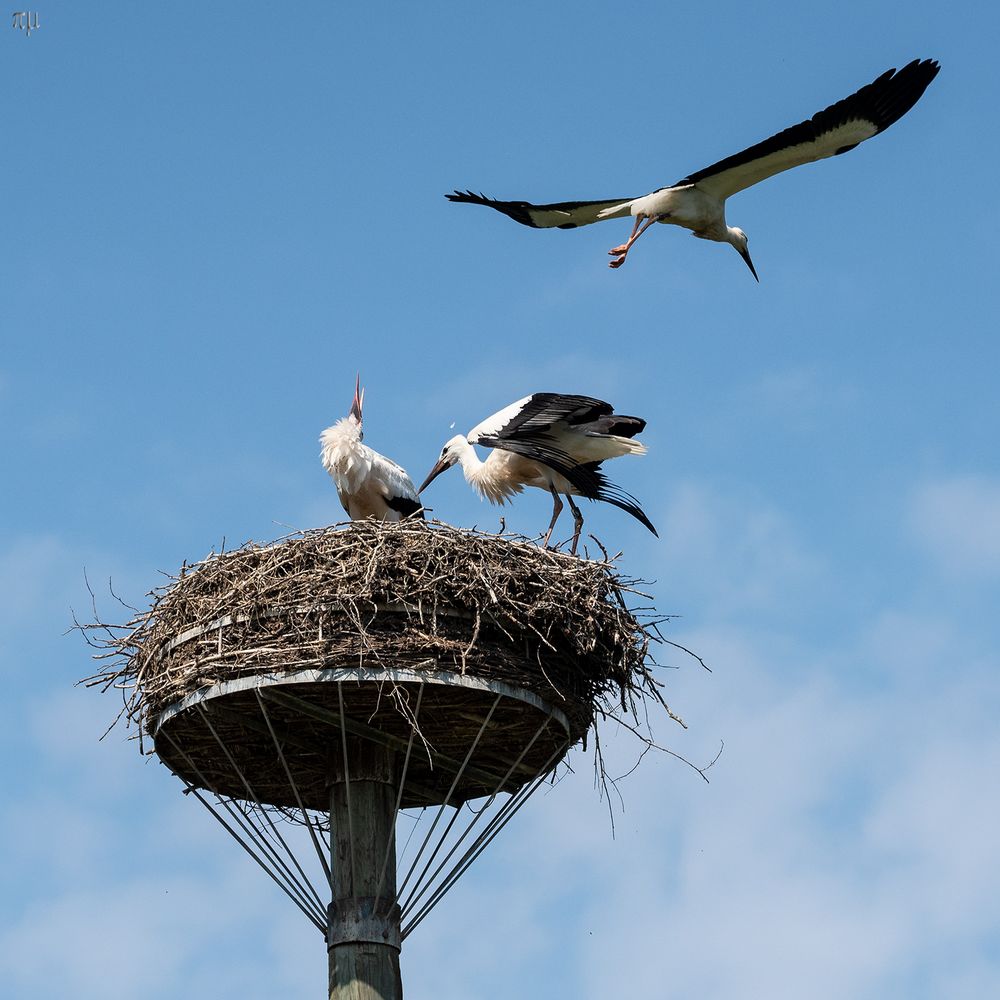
(363, 937)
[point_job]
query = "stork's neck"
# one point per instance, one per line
(473, 468)
(485, 477)
(343, 454)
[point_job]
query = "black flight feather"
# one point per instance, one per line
(543, 409)
(587, 479)
(405, 506)
(882, 102)
(599, 487)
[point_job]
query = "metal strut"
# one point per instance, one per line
(368, 916)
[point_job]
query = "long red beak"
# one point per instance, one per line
(745, 254)
(359, 400)
(434, 473)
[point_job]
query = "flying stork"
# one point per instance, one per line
(698, 201)
(368, 484)
(551, 441)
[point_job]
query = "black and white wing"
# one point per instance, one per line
(561, 215)
(835, 130)
(531, 427)
(538, 414)
(584, 414)
(396, 487)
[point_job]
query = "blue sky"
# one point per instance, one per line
(214, 215)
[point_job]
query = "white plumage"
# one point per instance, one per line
(551, 441)
(698, 201)
(368, 484)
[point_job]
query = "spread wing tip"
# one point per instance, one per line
(894, 93)
(519, 211)
(469, 197)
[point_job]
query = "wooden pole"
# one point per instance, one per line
(363, 922)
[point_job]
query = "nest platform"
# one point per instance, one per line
(253, 667)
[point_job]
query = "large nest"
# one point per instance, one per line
(424, 598)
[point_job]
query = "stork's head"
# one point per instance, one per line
(450, 454)
(359, 401)
(738, 238)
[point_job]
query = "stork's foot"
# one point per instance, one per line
(615, 251)
(618, 262)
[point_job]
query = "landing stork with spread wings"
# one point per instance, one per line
(551, 441)
(698, 201)
(368, 484)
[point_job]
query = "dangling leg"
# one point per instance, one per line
(625, 247)
(557, 507)
(577, 524)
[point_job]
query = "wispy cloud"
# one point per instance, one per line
(733, 552)
(142, 890)
(957, 521)
(165, 934)
(802, 395)
(43, 582)
(29, 566)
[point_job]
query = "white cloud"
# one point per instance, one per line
(732, 553)
(803, 395)
(29, 566)
(957, 520)
(159, 936)
(43, 581)
(132, 885)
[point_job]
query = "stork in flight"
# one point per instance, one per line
(551, 441)
(368, 484)
(698, 201)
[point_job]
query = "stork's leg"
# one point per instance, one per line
(577, 524)
(557, 507)
(624, 247)
(623, 250)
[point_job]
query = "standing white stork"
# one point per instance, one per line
(368, 484)
(698, 201)
(551, 441)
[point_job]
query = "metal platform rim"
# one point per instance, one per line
(358, 674)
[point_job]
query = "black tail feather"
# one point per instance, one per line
(405, 506)
(617, 423)
(594, 485)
